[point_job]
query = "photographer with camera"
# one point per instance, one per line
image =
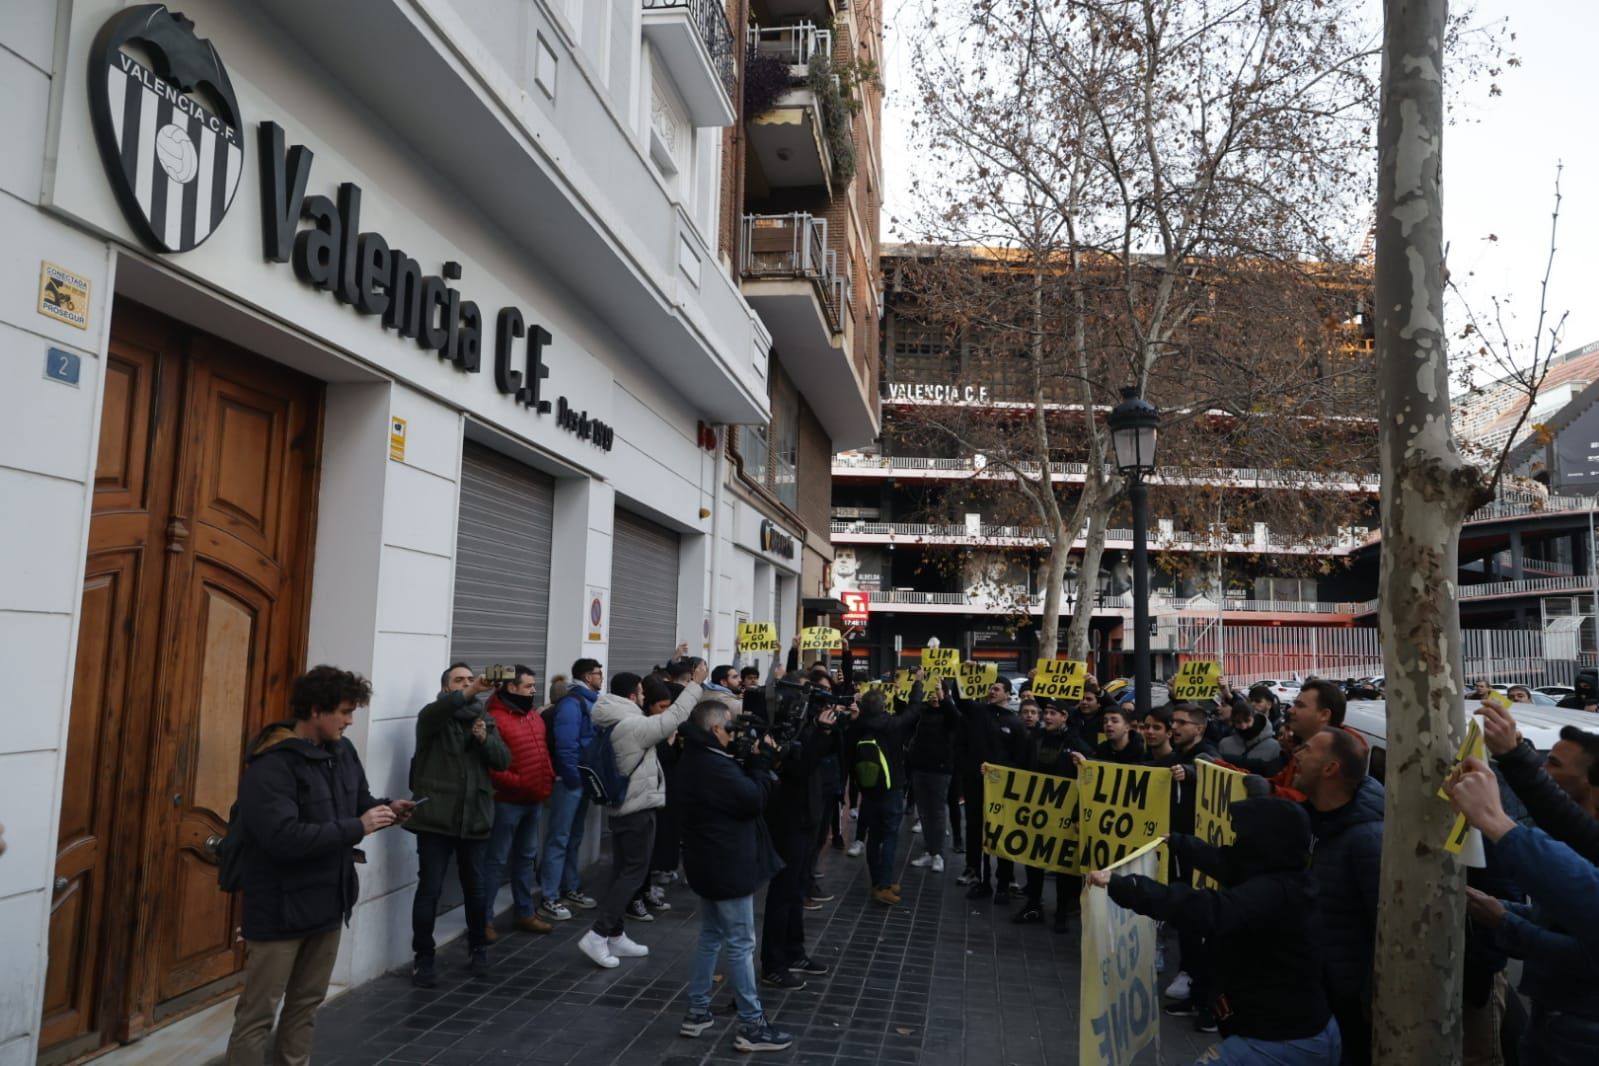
(803, 725)
(727, 855)
(876, 743)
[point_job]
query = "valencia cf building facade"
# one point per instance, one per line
(383, 335)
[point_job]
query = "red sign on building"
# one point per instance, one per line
(859, 604)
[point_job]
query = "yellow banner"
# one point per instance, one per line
(758, 636)
(902, 684)
(1031, 818)
(1196, 680)
(1060, 679)
(1123, 808)
(941, 662)
(1473, 746)
(1118, 1003)
(976, 677)
(1216, 790)
(820, 638)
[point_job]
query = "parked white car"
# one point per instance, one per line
(1539, 724)
(1285, 691)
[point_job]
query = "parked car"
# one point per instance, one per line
(1539, 724)
(1285, 691)
(1557, 692)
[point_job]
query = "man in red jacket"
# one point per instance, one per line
(519, 791)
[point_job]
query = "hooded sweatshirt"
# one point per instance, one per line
(1264, 920)
(633, 741)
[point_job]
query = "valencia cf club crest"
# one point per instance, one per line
(168, 126)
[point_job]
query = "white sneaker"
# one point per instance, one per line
(938, 864)
(598, 949)
(1180, 988)
(917, 828)
(854, 813)
(924, 861)
(623, 947)
(855, 850)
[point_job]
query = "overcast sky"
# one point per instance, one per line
(1499, 163)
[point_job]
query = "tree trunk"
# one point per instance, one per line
(1054, 580)
(1088, 573)
(1426, 492)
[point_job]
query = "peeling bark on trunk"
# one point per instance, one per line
(1427, 491)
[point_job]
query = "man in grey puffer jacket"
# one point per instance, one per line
(634, 735)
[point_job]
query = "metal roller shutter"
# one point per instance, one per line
(502, 562)
(644, 567)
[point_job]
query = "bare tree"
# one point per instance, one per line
(1133, 159)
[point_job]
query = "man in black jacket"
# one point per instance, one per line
(931, 762)
(1270, 1002)
(303, 807)
(1049, 751)
(727, 856)
(793, 815)
(992, 733)
(1346, 809)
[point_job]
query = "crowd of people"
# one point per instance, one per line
(734, 781)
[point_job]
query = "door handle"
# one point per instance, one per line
(213, 842)
(60, 885)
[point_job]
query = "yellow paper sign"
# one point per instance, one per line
(976, 677)
(758, 636)
(941, 662)
(902, 684)
(1030, 817)
(1196, 680)
(1123, 808)
(1118, 1000)
(1216, 789)
(1473, 746)
(820, 638)
(1060, 679)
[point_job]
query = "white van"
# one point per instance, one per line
(1541, 725)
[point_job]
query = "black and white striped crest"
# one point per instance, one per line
(174, 162)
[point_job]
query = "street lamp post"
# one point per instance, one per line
(1134, 424)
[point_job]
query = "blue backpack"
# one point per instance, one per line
(603, 783)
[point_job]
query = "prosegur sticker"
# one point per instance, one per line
(63, 295)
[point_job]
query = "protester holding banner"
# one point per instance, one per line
(1121, 745)
(931, 761)
(991, 733)
(1270, 1001)
(1049, 752)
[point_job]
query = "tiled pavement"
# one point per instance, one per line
(938, 981)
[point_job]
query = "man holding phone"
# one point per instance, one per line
(303, 808)
(457, 745)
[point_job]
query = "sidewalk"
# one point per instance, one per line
(937, 981)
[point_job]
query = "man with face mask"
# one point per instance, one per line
(1586, 695)
(519, 794)
(1269, 1001)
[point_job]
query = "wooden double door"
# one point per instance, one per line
(193, 627)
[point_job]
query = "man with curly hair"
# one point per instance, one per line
(303, 808)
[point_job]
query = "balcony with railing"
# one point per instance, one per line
(797, 284)
(790, 97)
(1105, 603)
(919, 467)
(795, 45)
(1259, 540)
(696, 44)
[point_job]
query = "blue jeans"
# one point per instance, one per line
(881, 814)
(1555, 1038)
(558, 869)
(729, 922)
(1323, 1049)
(515, 840)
